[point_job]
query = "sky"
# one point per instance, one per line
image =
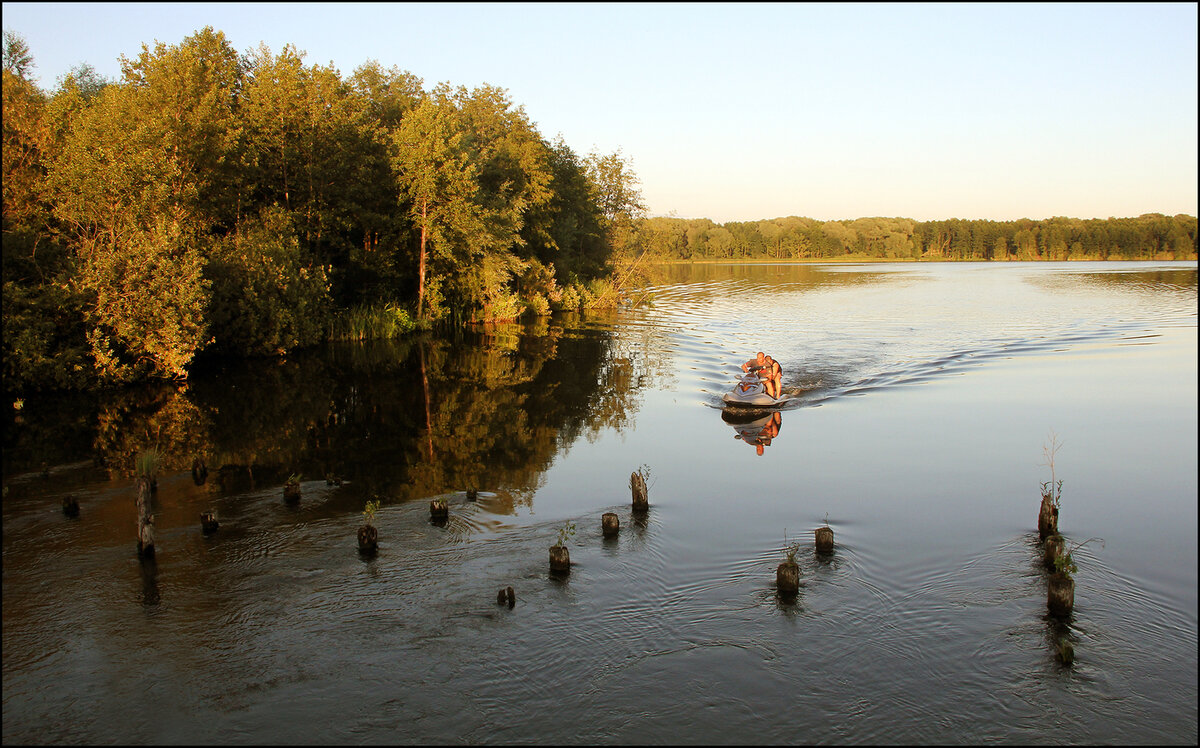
(743, 111)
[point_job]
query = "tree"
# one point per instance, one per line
(17, 58)
(436, 177)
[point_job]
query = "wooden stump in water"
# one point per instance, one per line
(199, 471)
(560, 558)
(507, 597)
(610, 524)
(70, 506)
(368, 539)
(641, 501)
(208, 522)
(472, 494)
(291, 493)
(787, 578)
(145, 544)
(1047, 517)
(1052, 548)
(145, 520)
(824, 539)
(438, 509)
(1066, 651)
(1060, 595)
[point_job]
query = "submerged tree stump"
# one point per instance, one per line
(368, 539)
(787, 578)
(472, 494)
(610, 524)
(560, 559)
(824, 539)
(70, 506)
(1066, 651)
(438, 509)
(1047, 517)
(1060, 595)
(208, 522)
(641, 501)
(291, 493)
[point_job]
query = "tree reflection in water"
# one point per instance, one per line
(403, 420)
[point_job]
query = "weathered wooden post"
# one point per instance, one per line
(70, 506)
(787, 574)
(1066, 651)
(1052, 548)
(291, 489)
(560, 557)
(824, 539)
(208, 522)
(1060, 594)
(439, 510)
(1047, 516)
(507, 597)
(368, 536)
(368, 539)
(145, 520)
(610, 524)
(637, 482)
(472, 494)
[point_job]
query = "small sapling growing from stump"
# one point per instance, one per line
(1051, 492)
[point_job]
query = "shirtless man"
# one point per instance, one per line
(756, 363)
(772, 377)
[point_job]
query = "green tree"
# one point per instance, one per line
(436, 178)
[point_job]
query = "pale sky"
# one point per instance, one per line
(740, 112)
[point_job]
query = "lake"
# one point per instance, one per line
(924, 395)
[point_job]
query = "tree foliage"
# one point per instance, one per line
(211, 201)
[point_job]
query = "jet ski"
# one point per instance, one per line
(751, 392)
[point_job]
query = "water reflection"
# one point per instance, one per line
(754, 428)
(400, 420)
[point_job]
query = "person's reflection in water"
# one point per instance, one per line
(765, 433)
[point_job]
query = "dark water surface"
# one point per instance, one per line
(924, 396)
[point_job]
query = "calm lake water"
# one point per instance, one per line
(925, 394)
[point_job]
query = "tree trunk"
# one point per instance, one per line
(421, 263)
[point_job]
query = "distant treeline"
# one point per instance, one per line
(210, 201)
(1148, 237)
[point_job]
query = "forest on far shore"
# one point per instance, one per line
(1148, 237)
